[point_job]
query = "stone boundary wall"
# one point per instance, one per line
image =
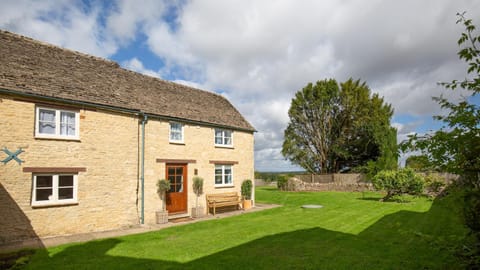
(329, 182)
(263, 183)
(343, 182)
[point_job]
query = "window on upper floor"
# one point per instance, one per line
(176, 132)
(57, 123)
(223, 137)
(223, 175)
(54, 189)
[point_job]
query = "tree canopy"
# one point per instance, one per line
(334, 126)
(419, 163)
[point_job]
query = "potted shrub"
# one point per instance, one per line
(247, 194)
(197, 186)
(162, 187)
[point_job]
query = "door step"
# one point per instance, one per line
(178, 216)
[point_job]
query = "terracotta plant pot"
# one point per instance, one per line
(247, 204)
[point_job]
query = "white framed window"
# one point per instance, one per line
(223, 137)
(54, 189)
(223, 175)
(57, 123)
(176, 132)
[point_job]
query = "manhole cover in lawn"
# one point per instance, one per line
(310, 206)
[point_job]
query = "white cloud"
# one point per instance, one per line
(129, 15)
(136, 65)
(64, 23)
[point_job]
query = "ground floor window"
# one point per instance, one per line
(53, 189)
(223, 175)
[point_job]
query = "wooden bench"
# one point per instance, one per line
(222, 199)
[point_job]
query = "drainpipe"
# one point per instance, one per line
(142, 170)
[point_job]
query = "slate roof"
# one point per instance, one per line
(32, 67)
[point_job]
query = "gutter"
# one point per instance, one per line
(69, 101)
(142, 170)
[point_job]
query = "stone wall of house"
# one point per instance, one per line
(107, 149)
(198, 147)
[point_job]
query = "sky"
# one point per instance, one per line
(258, 54)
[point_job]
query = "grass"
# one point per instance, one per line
(351, 231)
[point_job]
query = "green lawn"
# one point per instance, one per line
(351, 231)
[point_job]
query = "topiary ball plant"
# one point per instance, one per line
(163, 186)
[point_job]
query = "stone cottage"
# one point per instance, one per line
(83, 143)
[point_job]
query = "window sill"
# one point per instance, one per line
(219, 187)
(72, 139)
(224, 146)
(54, 204)
(177, 142)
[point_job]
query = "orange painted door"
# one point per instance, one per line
(177, 195)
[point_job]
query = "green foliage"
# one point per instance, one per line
(246, 189)
(272, 176)
(419, 163)
(472, 210)
(163, 186)
(434, 183)
(16, 260)
(334, 126)
(282, 182)
(197, 185)
(404, 181)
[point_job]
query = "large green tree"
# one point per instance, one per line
(456, 146)
(332, 126)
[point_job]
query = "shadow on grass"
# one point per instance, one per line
(403, 240)
(398, 199)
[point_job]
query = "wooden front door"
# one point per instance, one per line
(177, 195)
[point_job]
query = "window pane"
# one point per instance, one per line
(43, 194)
(65, 181)
(228, 179)
(171, 170)
(218, 136)
(65, 193)
(44, 181)
(67, 123)
(46, 121)
(227, 141)
(175, 136)
(179, 186)
(218, 179)
(179, 170)
(176, 127)
(176, 131)
(228, 169)
(218, 171)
